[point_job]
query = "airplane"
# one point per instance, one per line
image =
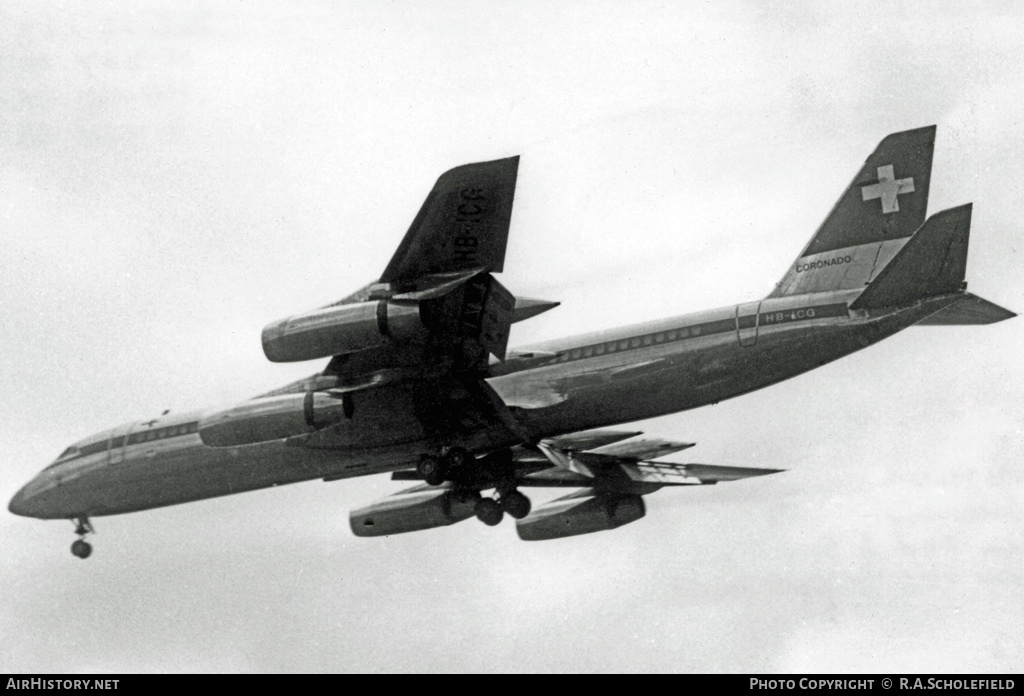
(420, 382)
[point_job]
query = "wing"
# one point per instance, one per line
(462, 225)
(606, 466)
(417, 343)
(437, 294)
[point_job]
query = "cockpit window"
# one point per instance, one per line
(69, 453)
(116, 441)
(80, 450)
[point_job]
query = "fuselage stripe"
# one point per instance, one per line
(764, 319)
(148, 435)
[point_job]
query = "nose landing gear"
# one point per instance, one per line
(82, 548)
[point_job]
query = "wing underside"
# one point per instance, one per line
(609, 470)
(418, 341)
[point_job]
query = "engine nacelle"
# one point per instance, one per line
(270, 418)
(570, 516)
(340, 329)
(411, 510)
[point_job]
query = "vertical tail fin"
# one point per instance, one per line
(882, 207)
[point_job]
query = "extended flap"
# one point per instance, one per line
(671, 474)
(496, 321)
(645, 448)
(436, 285)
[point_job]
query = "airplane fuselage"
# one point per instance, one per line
(420, 381)
(571, 384)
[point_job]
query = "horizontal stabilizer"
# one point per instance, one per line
(648, 448)
(932, 263)
(969, 310)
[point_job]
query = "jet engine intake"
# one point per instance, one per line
(579, 514)
(270, 418)
(421, 507)
(340, 329)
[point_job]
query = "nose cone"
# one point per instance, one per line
(41, 498)
(21, 504)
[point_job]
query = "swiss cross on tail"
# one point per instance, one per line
(887, 188)
(856, 219)
(843, 253)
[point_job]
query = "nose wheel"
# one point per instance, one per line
(82, 548)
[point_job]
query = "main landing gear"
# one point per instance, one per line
(491, 510)
(515, 504)
(488, 511)
(81, 547)
(434, 470)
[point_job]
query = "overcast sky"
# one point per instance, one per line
(175, 176)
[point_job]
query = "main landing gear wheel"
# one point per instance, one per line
(82, 548)
(488, 511)
(433, 470)
(456, 457)
(515, 504)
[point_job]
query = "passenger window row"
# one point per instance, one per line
(628, 343)
(162, 433)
